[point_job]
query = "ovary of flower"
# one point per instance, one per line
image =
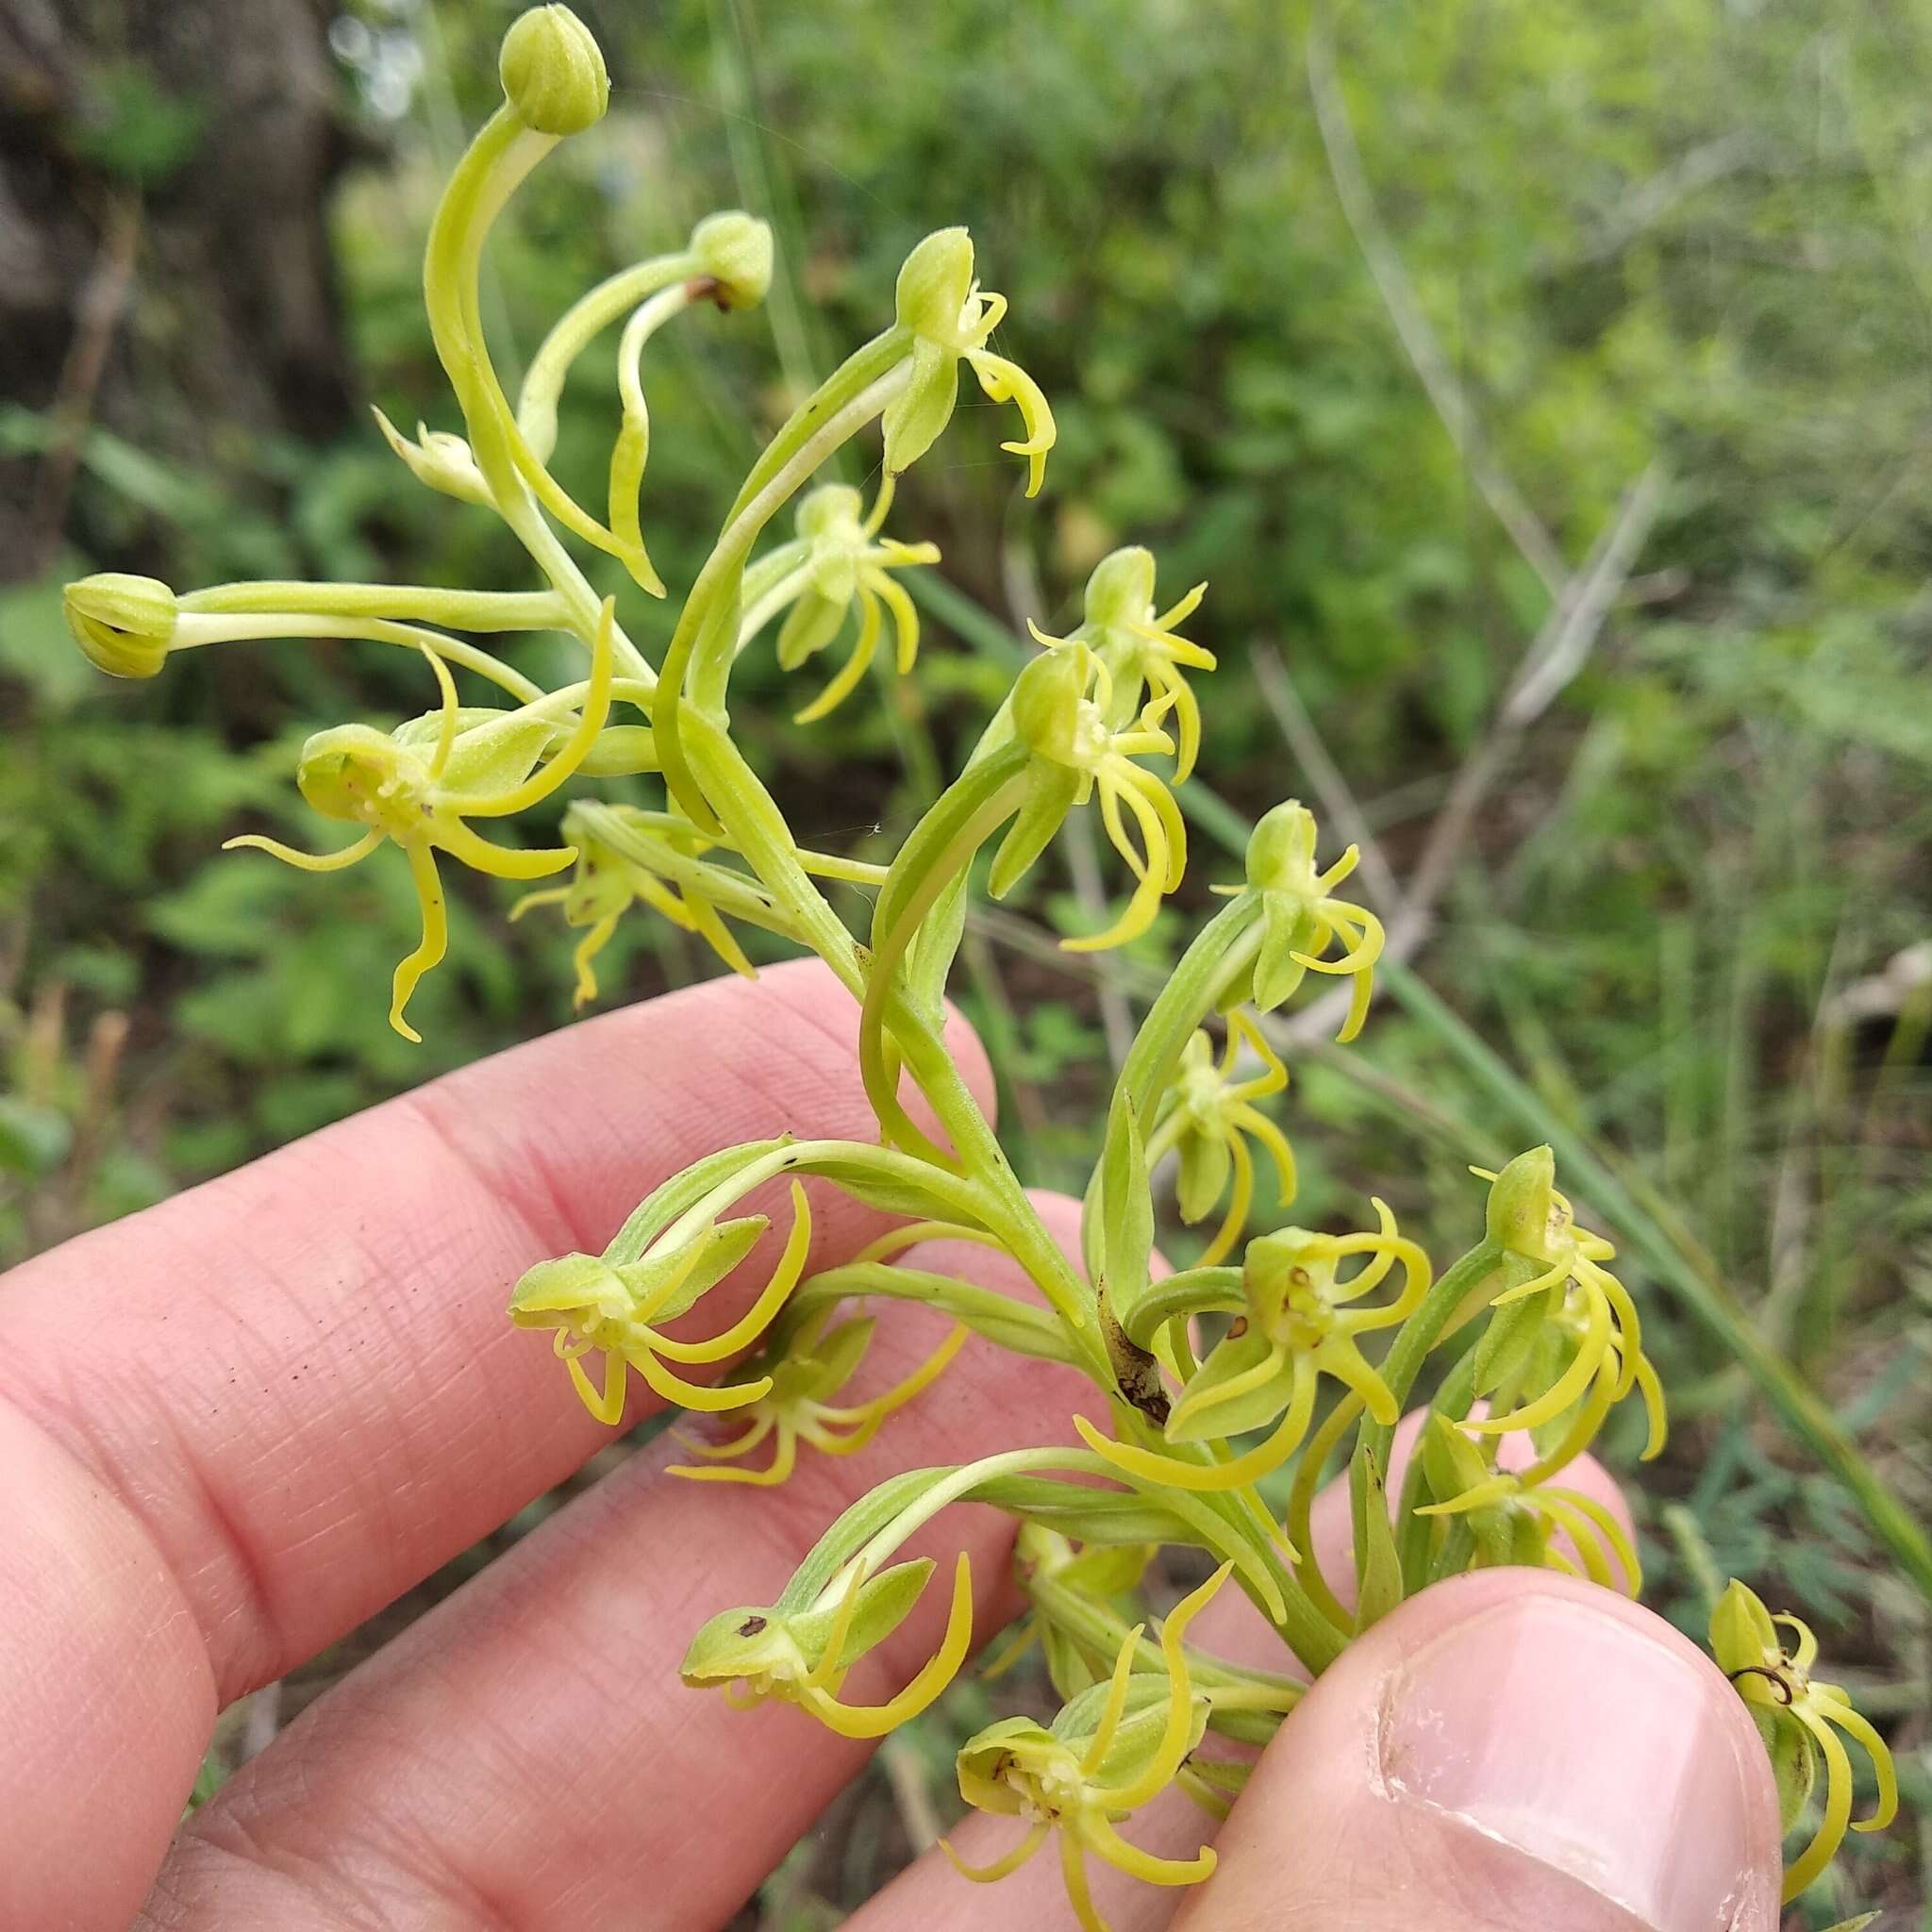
(836, 558)
(1310, 1323)
(1054, 1785)
(358, 774)
(1598, 1310)
(1596, 1533)
(796, 1405)
(1212, 1120)
(1777, 1678)
(616, 1310)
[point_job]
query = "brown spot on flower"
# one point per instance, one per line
(751, 1627)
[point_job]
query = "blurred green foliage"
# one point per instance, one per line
(1693, 232)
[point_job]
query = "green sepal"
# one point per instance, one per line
(1510, 1338)
(916, 417)
(835, 1354)
(810, 626)
(1285, 929)
(1204, 1162)
(1742, 1636)
(1793, 1756)
(1052, 792)
(884, 1602)
(1235, 1355)
(1180, 1296)
(1520, 1200)
(721, 1247)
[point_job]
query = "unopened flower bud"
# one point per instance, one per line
(123, 623)
(553, 74)
(736, 250)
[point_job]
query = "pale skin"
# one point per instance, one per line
(235, 1425)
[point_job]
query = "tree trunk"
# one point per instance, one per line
(164, 260)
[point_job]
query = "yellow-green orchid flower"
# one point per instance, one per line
(1110, 1751)
(795, 1402)
(1210, 1117)
(1302, 918)
(803, 1656)
(1797, 1711)
(1511, 1519)
(950, 317)
(838, 557)
(1140, 649)
(419, 788)
(1076, 753)
(1573, 1304)
(620, 1309)
(1302, 1322)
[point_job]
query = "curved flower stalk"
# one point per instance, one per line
(1110, 1751)
(1572, 1310)
(421, 798)
(1800, 1717)
(796, 1405)
(1301, 1322)
(836, 558)
(950, 318)
(1510, 1519)
(1209, 1119)
(803, 1656)
(620, 1310)
(1142, 651)
(1302, 918)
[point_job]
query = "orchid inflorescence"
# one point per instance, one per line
(1290, 1345)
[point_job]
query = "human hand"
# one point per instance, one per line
(236, 1426)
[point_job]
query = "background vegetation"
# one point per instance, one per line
(1543, 391)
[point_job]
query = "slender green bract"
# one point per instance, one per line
(1221, 1394)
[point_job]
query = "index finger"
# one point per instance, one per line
(248, 1417)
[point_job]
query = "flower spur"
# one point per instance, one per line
(1115, 1748)
(619, 1308)
(794, 1404)
(423, 800)
(1299, 1324)
(1211, 1120)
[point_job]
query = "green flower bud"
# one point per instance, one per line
(553, 74)
(123, 623)
(1121, 590)
(736, 250)
(935, 282)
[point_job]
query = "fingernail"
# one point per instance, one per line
(1591, 1745)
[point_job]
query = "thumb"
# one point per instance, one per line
(1506, 1752)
